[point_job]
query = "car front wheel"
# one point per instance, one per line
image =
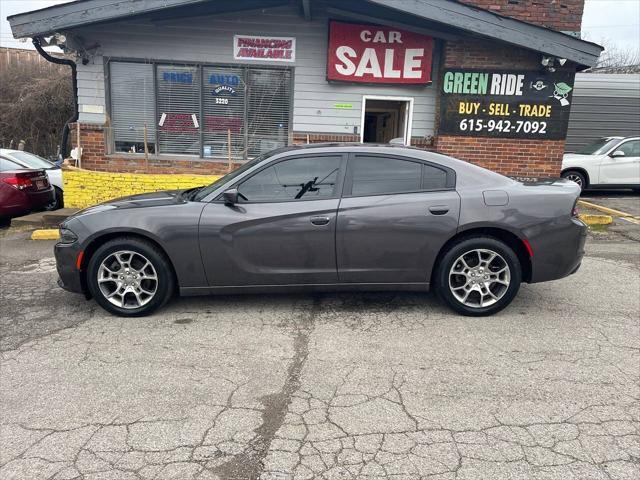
(130, 277)
(478, 276)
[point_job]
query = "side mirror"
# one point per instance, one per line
(230, 196)
(618, 153)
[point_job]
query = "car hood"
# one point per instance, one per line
(142, 200)
(575, 157)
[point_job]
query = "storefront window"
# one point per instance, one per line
(224, 99)
(132, 106)
(196, 110)
(179, 109)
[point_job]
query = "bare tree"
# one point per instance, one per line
(35, 103)
(614, 55)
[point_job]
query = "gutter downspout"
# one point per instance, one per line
(74, 72)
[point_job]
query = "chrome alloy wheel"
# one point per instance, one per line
(574, 178)
(479, 278)
(127, 279)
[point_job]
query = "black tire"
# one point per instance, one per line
(506, 293)
(577, 177)
(58, 201)
(165, 284)
(5, 222)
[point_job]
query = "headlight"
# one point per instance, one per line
(67, 236)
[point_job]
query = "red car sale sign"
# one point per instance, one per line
(376, 54)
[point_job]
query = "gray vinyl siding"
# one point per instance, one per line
(210, 40)
(91, 91)
(603, 105)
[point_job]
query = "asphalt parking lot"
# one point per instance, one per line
(353, 386)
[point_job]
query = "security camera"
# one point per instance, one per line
(546, 61)
(562, 61)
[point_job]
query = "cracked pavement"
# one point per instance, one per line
(326, 386)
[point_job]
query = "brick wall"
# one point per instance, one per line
(563, 15)
(94, 141)
(94, 157)
(512, 157)
(303, 138)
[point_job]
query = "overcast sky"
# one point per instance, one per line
(612, 22)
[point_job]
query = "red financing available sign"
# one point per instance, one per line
(375, 54)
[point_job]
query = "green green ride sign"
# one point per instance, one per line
(506, 104)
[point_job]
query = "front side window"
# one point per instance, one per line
(630, 148)
(308, 178)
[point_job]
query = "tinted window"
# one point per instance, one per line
(630, 148)
(598, 147)
(307, 178)
(433, 178)
(379, 175)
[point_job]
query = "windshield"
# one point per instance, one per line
(598, 147)
(30, 160)
(202, 193)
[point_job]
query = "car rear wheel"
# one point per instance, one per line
(130, 277)
(478, 276)
(577, 177)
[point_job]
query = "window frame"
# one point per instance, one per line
(200, 66)
(348, 182)
(338, 188)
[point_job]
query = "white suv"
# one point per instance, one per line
(610, 162)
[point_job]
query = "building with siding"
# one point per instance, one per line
(604, 105)
(196, 85)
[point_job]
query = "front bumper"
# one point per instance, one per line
(71, 278)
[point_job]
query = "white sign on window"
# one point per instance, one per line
(268, 49)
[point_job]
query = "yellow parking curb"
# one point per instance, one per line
(608, 210)
(596, 219)
(46, 234)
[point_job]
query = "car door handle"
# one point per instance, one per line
(320, 220)
(439, 209)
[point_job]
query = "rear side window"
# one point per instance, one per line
(433, 178)
(305, 178)
(372, 175)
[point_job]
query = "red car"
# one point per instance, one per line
(22, 191)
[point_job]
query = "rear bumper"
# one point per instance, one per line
(558, 251)
(39, 200)
(70, 277)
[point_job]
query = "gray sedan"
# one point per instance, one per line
(330, 217)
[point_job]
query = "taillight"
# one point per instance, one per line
(574, 210)
(20, 182)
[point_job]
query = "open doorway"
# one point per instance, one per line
(385, 119)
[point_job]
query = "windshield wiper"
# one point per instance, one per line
(190, 193)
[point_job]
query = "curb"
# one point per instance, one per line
(608, 210)
(45, 234)
(596, 219)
